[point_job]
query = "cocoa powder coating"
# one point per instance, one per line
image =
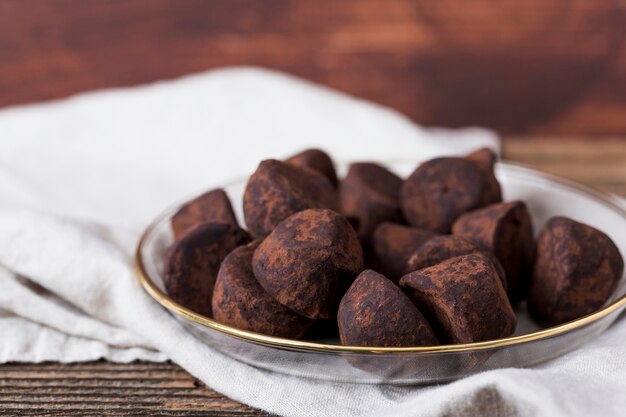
(375, 312)
(463, 299)
(370, 195)
(277, 190)
(444, 247)
(485, 160)
(316, 160)
(193, 262)
(440, 190)
(506, 230)
(308, 262)
(576, 270)
(391, 246)
(239, 300)
(211, 207)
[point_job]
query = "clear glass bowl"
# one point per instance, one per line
(545, 195)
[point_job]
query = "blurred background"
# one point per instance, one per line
(541, 67)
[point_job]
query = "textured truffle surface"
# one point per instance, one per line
(375, 312)
(576, 270)
(506, 230)
(463, 299)
(211, 207)
(308, 262)
(485, 159)
(240, 301)
(193, 262)
(440, 190)
(277, 190)
(316, 160)
(391, 246)
(440, 248)
(370, 195)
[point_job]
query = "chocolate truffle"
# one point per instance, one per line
(308, 262)
(277, 190)
(316, 160)
(485, 159)
(375, 312)
(239, 300)
(576, 270)
(369, 195)
(211, 207)
(463, 299)
(440, 190)
(506, 230)
(192, 263)
(391, 246)
(440, 248)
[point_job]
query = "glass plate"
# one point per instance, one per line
(545, 195)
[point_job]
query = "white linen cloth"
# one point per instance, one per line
(80, 178)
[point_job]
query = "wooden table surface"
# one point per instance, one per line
(102, 388)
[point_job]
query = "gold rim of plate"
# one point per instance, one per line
(163, 299)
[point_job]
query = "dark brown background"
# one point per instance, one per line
(554, 67)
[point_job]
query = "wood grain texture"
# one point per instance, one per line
(101, 388)
(541, 66)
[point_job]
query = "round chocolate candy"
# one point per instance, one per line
(239, 300)
(440, 190)
(485, 159)
(316, 160)
(308, 262)
(576, 270)
(375, 312)
(369, 195)
(277, 190)
(193, 262)
(440, 248)
(463, 299)
(506, 230)
(211, 207)
(391, 246)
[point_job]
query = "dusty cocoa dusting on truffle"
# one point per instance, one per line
(375, 312)
(577, 268)
(239, 300)
(391, 246)
(463, 299)
(309, 261)
(506, 230)
(370, 194)
(316, 160)
(277, 190)
(192, 263)
(440, 248)
(485, 160)
(211, 207)
(440, 190)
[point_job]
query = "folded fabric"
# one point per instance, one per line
(80, 179)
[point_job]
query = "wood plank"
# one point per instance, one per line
(533, 66)
(109, 389)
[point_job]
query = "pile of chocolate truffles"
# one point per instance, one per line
(436, 258)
